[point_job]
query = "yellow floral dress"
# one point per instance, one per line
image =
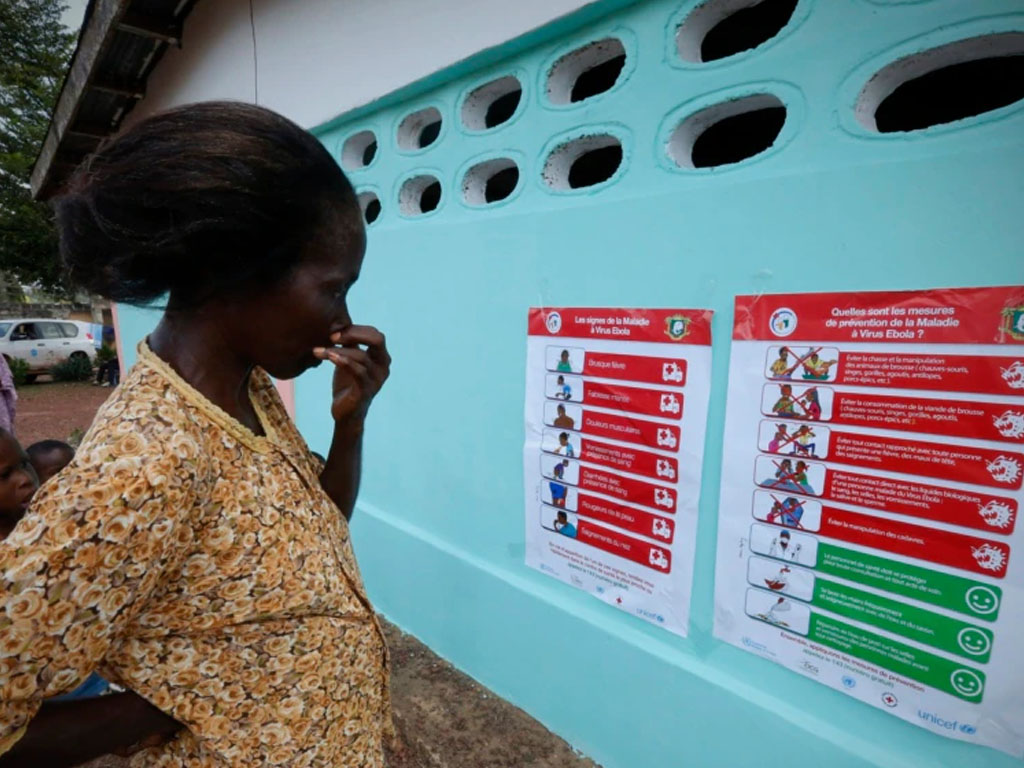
(205, 568)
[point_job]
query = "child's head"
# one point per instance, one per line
(801, 466)
(18, 482)
(561, 379)
(49, 457)
(783, 352)
(561, 410)
(563, 438)
(787, 389)
(563, 518)
(565, 356)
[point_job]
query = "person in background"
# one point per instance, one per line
(8, 396)
(49, 457)
(18, 482)
(108, 373)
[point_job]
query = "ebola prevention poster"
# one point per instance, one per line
(616, 409)
(871, 488)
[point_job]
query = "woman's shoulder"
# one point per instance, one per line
(143, 418)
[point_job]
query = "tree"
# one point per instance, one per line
(36, 49)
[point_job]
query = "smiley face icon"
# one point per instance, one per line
(982, 600)
(974, 641)
(966, 682)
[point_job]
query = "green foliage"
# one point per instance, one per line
(105, 353)
(19, 370)
(35, 49)
(75, 368)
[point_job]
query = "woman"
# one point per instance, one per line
(195, 552)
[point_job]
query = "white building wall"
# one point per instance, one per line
(320, 58)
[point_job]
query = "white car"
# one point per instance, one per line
(44, 342)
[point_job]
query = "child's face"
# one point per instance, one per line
(17, 479)
(49, 464)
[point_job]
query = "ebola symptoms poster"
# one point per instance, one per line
(871, 488)
(616, 409)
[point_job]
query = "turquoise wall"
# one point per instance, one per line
(439, 526)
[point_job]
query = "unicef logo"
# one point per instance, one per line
(553, 322)
(783, 321)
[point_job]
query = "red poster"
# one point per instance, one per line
(939, 372)
(629, 429)
(650, 370)
(935, 416)
(656, 497)
(650, 555)
(968, 464)
(969, 553)
(630, 460)
(971, 509)
(652, 402)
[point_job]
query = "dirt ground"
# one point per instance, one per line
(444, 718)
(54, 410)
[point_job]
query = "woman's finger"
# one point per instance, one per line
(347, 361)
(368, 336)
(376, 373)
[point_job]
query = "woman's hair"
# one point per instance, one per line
(196, 201)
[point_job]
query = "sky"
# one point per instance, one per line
(73, 13)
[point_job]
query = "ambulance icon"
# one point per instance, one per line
(669, 403)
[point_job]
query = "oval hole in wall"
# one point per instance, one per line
(369, 204)
(587, 71)
(727, 133)
(944, 84)
(583, 162)
(492, 104)
(420, 129)
(720, 28)
(358, 150)
(418, 195)
(490, 181)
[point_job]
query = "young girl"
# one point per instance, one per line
(18, 482)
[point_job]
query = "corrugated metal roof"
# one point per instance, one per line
(120, 44)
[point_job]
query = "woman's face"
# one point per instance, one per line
(287, 320)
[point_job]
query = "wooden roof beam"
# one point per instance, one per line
(118, 89)
(135, 23)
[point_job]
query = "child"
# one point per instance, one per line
(564, 366)
(18, 483)
(49, 457)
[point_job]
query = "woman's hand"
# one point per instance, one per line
(67, 733)
(358, 373)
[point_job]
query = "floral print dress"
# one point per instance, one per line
(203, 567)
